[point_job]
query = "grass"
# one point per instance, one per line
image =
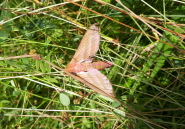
(143, 39)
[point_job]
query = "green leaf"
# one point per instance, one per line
(64, 99)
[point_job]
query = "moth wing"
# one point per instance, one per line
(89, 45)
(100, 82)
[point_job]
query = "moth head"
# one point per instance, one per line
(109, 64)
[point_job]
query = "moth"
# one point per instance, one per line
(84, 66)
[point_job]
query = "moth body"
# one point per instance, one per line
(81, 67)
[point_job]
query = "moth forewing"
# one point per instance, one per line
(100, 82)
(89, 45)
